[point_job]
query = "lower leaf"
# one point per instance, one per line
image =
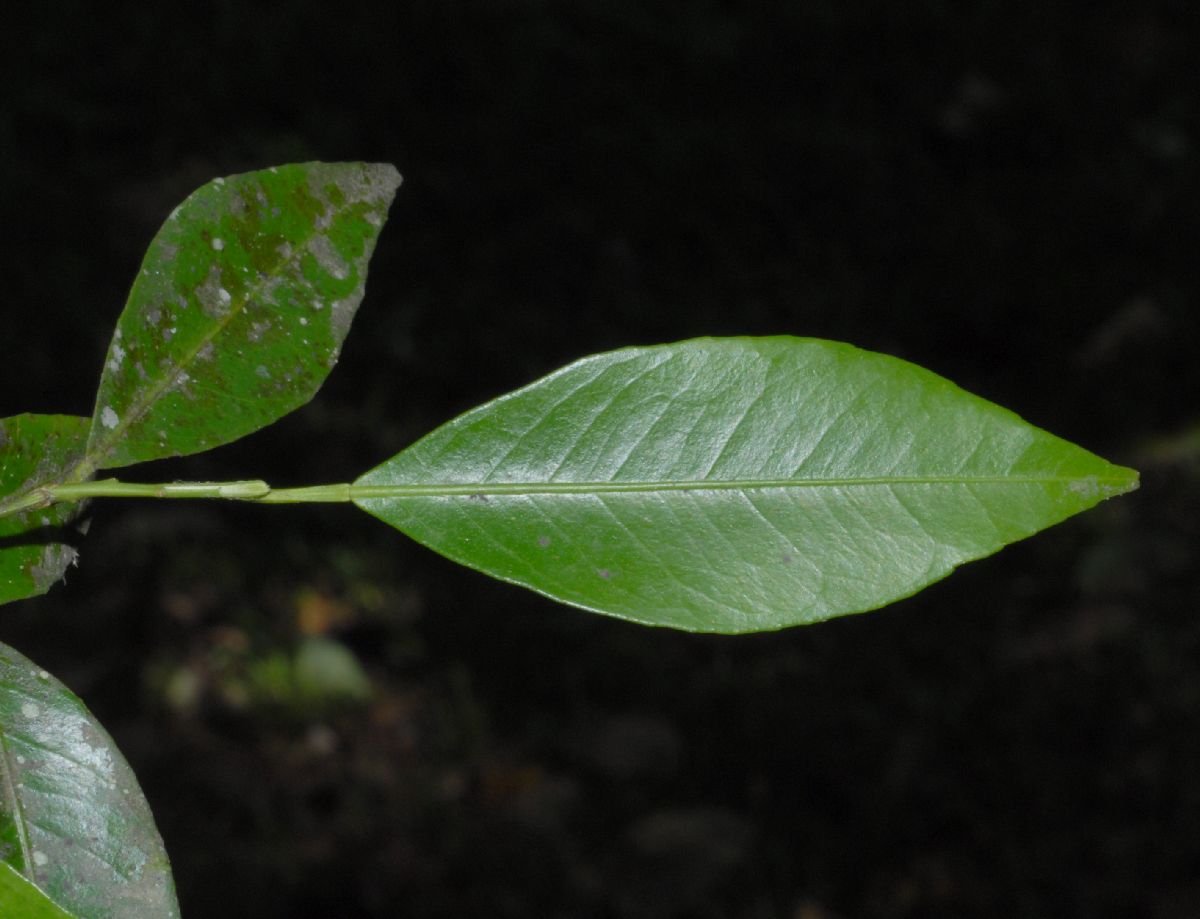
(73, 820)
(20, 899)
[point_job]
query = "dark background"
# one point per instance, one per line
(1007, 193)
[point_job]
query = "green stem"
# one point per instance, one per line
(249, 490)
(46, 495)
(111, 488)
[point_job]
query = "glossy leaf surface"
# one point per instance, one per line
(72, 817)
(733, 485)
(20, 899)
(240, 308)
(36, 450)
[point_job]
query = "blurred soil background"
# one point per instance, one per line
(330, 721)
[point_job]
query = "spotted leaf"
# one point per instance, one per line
(239, 310)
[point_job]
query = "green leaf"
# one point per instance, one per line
(36, 450)
(20, 899)
(72, 817)
(239, 310)
(733, 485)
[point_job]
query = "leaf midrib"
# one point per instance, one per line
(8, 789)
(153, 394)
(366, 491)
(138, 409)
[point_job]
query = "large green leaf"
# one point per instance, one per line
(72, 817)
(240, 308)
(733, 485)
(20, 899)
(36, 450)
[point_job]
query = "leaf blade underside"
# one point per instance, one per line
(239, 310)
(734, 485)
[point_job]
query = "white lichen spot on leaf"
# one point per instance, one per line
(181, 381)
(342, 313)
(54, 560)
(116, 356)
(328, 257)
(214, 299)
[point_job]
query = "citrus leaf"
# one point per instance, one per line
(20, 899)
(36, 450)
(239, 310)
(733, 485)
(72, 817)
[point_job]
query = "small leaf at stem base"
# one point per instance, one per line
(36, 450)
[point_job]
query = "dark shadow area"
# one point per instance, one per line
(1007, 194)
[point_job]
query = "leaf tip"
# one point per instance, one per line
(1117, 480)
(379, 181)
(1125, 480)
(386, 175)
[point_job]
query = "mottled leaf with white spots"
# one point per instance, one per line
(73, 820)
(239, 310)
